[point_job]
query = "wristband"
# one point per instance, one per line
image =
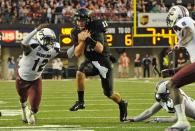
(91, 41)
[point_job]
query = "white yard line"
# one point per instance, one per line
(71, 98)
(87, 104)
(79, 128)
(68, 117)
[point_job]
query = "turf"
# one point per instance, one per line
(100, 114)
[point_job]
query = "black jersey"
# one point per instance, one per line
(97, 29)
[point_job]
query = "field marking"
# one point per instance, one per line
(79, 128)
(65, 99)
(10, 112)
(47, 127)
(47, 105)
(74, 117)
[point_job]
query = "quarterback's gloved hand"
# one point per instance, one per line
(168, 72)
(113, 59)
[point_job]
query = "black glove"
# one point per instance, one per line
(167, 73)
(113, 59)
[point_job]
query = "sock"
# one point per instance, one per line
(121, 102)
(80, 96)
(180, 111)
(24, 104)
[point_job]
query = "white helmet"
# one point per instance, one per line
(162, 92)
(175, 13)
(46, 36)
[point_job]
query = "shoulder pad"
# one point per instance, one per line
(97, 26)
(185, 22)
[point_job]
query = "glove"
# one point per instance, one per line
(167, 73)
(113, 59)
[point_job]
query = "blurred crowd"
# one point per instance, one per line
(60, 11)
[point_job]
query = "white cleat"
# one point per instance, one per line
(28, 116)
(180, 126)
(31, 118)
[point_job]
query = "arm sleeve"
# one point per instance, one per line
(70, 52)
(27, 39)
(167, 119)
(148, 112)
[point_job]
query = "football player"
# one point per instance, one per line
(178, 18)
(165, 102)
(88, 37)
(38, 47)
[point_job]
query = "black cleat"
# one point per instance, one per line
(77, 105)
(0, 114)
(123, 111)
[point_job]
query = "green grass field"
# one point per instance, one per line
(101, 114)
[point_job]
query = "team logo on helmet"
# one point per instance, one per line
(46, 37)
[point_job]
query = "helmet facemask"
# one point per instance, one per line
(162, 93)
(46, 38)
(82, 18)
(176, 13)
(48, 41)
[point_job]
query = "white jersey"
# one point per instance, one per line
(181, 24)
(169, 106)
(31, 66)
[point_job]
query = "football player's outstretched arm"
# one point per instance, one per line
(165, 119)
(66, 54)
(99, 47)
(147, 113)
(25, 43)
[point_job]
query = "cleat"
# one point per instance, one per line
(180, 126)
(77, 105)
(31, 119)
(27, 116)
(123, 111)
(24, 112)
(0, 114)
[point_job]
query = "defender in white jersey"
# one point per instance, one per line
(178, 18)
(38, 48)
(166, 103)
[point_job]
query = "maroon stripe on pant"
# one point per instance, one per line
(184, 76)
(31, 90)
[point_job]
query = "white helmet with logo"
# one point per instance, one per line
(175, 13)
(162, 92)
(45, 36)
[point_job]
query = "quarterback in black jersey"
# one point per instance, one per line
(88, 37)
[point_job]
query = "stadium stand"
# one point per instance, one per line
(60, 11)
